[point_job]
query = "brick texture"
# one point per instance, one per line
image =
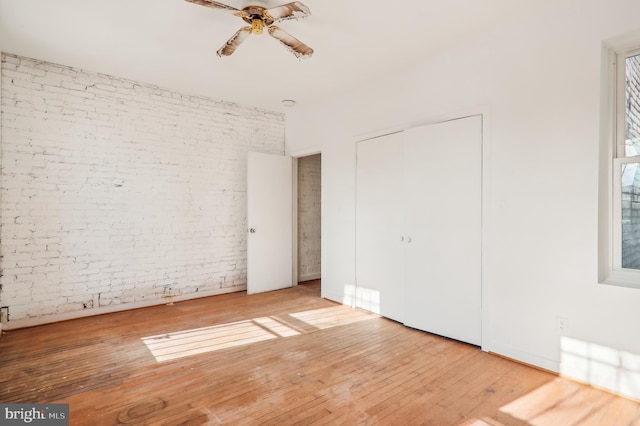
(114, 191)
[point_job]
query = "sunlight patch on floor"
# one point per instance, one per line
(481, 422)
(541, 405)
(332, 317)
(169, 346)
(566, 402)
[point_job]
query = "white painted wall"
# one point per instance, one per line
(116, 192)
(537, 82)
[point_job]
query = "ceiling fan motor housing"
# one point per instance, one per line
(252, 13)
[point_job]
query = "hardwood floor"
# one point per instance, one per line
(282, 358)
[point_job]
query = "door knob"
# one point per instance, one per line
(401, 238)
(408, 239)
(252, 230)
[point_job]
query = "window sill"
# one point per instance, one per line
(622, 278)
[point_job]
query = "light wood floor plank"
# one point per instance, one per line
(282, 358)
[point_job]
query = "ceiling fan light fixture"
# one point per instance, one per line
(259, 17)
(256, 26)
(289, 103)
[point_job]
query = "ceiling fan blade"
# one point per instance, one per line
(214, 4)
(236, 40)
(294, 10)
(296, 47)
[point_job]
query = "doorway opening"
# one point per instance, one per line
(308, 218)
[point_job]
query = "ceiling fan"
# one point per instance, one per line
(260, 17)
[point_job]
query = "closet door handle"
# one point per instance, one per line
(401, 238)
(408, 240)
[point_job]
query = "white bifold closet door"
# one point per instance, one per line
(424, 208)
(443, 182)
(379, 216)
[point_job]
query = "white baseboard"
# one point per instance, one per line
(524, 357)
(46, 319)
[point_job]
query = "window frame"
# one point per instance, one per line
(612, 154)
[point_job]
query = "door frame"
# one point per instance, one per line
(294, 187)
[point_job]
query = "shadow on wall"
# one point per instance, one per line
(601, 366)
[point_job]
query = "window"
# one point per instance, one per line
(628, 161)
(619, 213)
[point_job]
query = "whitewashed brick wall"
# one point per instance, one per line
(309, 217)
(113, 190)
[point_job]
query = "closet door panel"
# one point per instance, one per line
(379, 220)
(442, 180)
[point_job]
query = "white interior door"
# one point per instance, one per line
(379, 223)
(270, 223)
(443, 182)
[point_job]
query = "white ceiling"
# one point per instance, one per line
(172, 43)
